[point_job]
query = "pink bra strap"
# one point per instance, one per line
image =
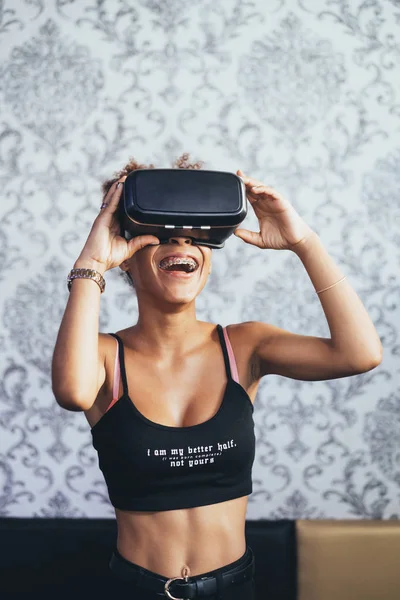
(116, 379)
(232, 361)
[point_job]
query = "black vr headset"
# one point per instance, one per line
(206, 206)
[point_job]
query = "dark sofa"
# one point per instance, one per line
(295, 560)
(68, 558)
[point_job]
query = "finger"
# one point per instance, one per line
(110, 188)
(251, 199)
(108, 209)
(113, 197)
(107, 196)
(241, 174)
(253, 194)
(141, 241)
(261, 187)
(250, 237)
(266, 192)
(249, 181)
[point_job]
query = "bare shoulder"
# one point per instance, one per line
(108, 348)
(250, 333)
(107, 344)
(107, 341)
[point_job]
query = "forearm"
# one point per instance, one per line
(75, 364)
(353, 333)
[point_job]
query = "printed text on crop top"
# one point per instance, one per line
(152, 467)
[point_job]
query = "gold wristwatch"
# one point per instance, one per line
(86, 274)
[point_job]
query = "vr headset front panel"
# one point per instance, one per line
(204, 205)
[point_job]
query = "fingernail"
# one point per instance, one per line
(119, 183)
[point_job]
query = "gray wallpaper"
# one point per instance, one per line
(302, 94)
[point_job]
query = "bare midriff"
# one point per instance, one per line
(202, 538)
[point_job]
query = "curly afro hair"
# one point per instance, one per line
(183, 162)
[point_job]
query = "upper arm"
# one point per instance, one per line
(309, 358)
(106, 360)
(103, 349)
(94, 411)
(78, 379)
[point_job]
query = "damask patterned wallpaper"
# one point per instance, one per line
(301, 94)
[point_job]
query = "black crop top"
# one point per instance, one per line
(152, 467)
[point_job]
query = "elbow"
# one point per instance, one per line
(70, 401)
(368, 362)
(69, 406)
(69, 395)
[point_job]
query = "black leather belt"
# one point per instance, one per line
(197, 586)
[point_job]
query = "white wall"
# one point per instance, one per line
(303, 95)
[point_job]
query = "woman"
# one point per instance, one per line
(177, 452)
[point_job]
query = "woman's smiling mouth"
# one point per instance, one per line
(179, 264)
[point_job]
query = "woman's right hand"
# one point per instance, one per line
(105, 248)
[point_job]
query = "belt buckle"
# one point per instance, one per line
(168, 583)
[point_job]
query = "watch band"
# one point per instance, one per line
(86, 274)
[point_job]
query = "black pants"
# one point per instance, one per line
(127, 590)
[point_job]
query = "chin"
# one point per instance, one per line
(172, 292)
(178, 294)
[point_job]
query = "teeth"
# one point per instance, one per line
(174, 260)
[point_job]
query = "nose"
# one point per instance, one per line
(181, 241)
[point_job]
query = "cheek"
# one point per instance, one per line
(207, 258)
(140, 263)
(140, 274)
(139, 271)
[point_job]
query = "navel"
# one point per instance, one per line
(185, 572)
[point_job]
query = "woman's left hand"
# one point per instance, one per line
(280, 225)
